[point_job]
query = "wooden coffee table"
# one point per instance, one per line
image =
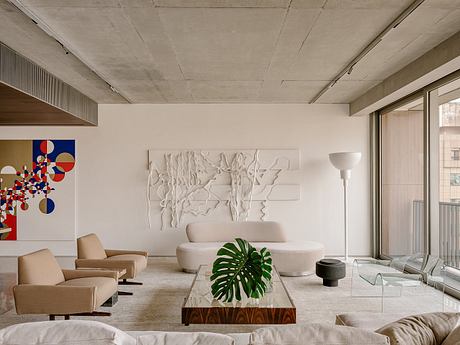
(275, 307)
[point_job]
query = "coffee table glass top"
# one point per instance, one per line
(200, 294)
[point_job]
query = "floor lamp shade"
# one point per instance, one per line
(345, 161)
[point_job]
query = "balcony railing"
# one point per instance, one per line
(449, 231)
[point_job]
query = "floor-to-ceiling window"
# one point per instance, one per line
(419, 175)
(402, 179)
(444, 103)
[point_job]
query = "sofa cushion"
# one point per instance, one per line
(251, 231)
(184, 338)
(39, 268)
(424, 329)
(316, 334)
(140, 261)
(89, 247)
(453, 338)
(106, 287)
(72, 332)
(368, 320)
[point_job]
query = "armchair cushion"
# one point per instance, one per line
(89, 247)
(140, 261)
(39, 268)
(54, 299)
(104, 287)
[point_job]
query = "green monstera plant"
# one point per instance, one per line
(240, 265)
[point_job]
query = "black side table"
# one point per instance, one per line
(331, 270)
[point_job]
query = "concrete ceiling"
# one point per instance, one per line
(223, 51)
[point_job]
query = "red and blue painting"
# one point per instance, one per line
(32, 172)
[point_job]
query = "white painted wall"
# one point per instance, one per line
(112, 168)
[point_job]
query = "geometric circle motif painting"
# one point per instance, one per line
(41, 165)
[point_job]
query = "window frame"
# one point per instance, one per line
(429, 137)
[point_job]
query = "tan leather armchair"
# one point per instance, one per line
(44, 288)
(91, 254)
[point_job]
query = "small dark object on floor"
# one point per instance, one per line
(331, 270)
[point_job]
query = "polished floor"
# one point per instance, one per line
(157, 304)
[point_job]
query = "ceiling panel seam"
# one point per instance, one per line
(282, 26)
(128, 19)
(174, 49)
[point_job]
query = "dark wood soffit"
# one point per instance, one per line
(20, 109)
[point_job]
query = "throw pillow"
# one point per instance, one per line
(184, 338)
(424, 329)
(316, 334)
(453, 338)
(71, 332)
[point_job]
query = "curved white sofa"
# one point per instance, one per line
(290, 258)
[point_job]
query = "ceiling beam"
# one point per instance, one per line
(440, 61)
(29, 95)
(349, 68)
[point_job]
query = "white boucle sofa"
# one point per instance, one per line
(290, 258)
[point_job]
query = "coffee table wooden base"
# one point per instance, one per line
(231, 315)
(275, 307)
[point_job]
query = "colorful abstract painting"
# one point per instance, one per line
(33, 176)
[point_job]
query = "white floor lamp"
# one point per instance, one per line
(345, 161)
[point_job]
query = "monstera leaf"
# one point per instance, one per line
(240, 266)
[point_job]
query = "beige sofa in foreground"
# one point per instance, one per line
(44, 288)
(290, 258)
(97, 333)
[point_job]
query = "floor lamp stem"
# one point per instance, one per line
(345, 216)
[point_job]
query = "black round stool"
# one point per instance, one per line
(331, 270)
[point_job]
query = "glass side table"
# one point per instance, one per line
(387, 275)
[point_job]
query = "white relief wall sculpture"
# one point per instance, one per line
(195, 183)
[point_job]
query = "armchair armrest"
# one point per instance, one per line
(74, 274)
(54, 299)
(112, 252)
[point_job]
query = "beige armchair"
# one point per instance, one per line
(91, 254)
(44, 288)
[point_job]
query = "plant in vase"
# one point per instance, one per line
(241, 266)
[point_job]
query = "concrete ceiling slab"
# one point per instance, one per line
(222, 3)
(248, 51)
(89, 3)
(224, 91)
(449, 4)
(347, 4)
(318, 61)
(175, 91)
(289, 91)
(296, 30)
(223, 44)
